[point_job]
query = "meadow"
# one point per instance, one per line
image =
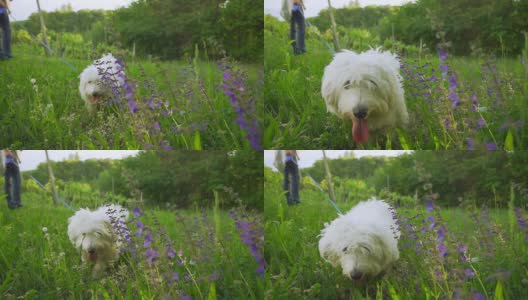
(454, 102)
(173, 254)
(193, 103)
(445, 253)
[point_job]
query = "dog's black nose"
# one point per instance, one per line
(91, 251)
(356, 275)
(360, 112)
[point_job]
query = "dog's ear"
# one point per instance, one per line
(330, 255)
(330, 91)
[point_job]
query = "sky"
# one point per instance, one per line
(314, 6)
(30, 159)
(309, 157)
(21, 9)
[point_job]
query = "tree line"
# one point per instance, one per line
(458, 177)
(168, 29)
(461, 26)
(180, 178)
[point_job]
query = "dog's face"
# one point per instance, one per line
(91, 86)
(91, 235)
(99, 80)
(362, 88)
(359, 101)
(363, 260)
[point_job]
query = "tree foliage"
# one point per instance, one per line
(462, 26)
(459, 177)
(167, 28)
(176, 178)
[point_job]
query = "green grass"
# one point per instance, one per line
(38, 267)
(53, 115)
(296, 116)
(295, 270)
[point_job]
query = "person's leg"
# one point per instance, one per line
(6, 35)
(8, 190)
(300, 34)
(293, 35)
(295, 185)
(16, 188)
(288, 182)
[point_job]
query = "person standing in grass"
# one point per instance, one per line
(12, 178)
(293, 11)
(5, 52)
(291, 177)
(297, 28)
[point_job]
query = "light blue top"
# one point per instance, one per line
(3, 10)
(10, 160)
(290, 157)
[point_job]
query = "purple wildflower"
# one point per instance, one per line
(429, 206)
(442, 249)
(233, 86)
(442, 54)
(137, 212)
(151, 255)
(491, 146)
(469, 144)
(481, 123)
(132, 105)
(170, 252)
(477, 296)
(468, 273)
(148, 239)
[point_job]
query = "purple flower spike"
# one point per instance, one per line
(429, 206)
(468, 273)
(469, 144)
(151, 255)
(137, 212)
(442, 54)
(442, 249)
(491, 147)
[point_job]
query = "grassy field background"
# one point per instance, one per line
(181, 105)
(486, 252)
(211, 256)
(479, 103)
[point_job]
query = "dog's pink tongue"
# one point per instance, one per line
(92, 256)
(94, 99)
(360, 130)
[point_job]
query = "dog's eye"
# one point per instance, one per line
(345, 249)
(98, 233)
(366, 249)
(373, 82)
(347, 85)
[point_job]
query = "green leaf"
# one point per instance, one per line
(212, 292)
(508, 143)
(197, 141)
(499, 291)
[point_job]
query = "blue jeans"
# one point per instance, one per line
(297, 32)
(12, 186)
(6, 36)
(291, 183)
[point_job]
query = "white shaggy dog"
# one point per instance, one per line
(99, 235)
(367, 89)
(364, 242)
(99, 78)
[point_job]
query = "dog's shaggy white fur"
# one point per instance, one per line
(366, 88)
(99, 235)
(363, 242)
(98, 79)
